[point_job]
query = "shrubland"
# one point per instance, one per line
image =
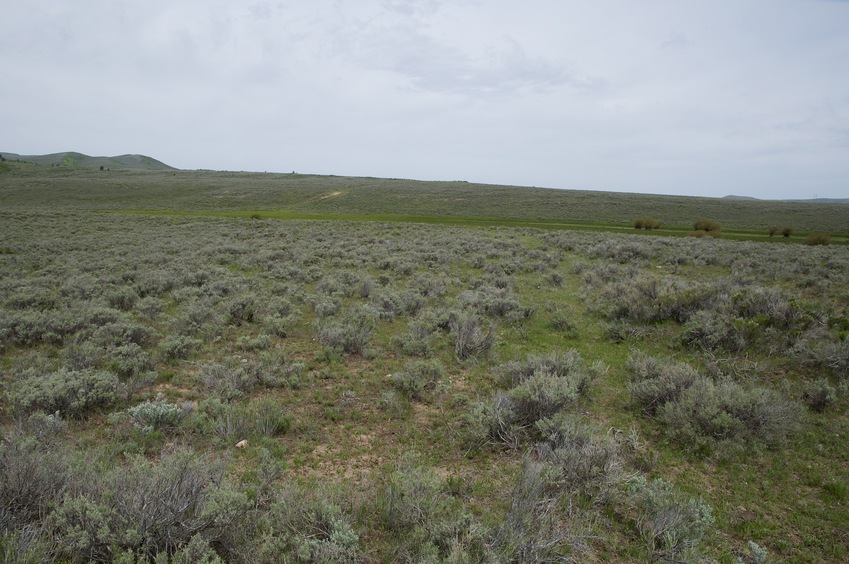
(414, 392)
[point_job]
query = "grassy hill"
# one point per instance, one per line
(296, 195)
(79, 160)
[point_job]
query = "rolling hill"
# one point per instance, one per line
(79, 160)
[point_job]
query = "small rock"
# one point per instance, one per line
(242, 444)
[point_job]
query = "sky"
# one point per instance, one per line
(692, 97)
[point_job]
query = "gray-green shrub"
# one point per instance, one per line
(670, 524)
(533, 529)
(350, 334)
(656, 384)
(472, 336)
(587, 460)
(819, 395)
(176, 347)
(568, 363)
(33, 477)
(158, 414)
(73, 393)
(708, 413)
(418, 378)
(146, 508)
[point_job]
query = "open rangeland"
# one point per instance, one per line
(264, 368)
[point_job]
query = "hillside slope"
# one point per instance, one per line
(79, 160)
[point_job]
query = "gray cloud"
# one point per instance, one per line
(697, 97)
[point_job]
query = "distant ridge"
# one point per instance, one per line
(809, 200)
(79, 160)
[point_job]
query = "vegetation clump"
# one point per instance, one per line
(647, 223)
(702, 414)
(815, 239)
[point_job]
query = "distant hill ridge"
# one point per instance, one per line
(817, 200)
(78, 160)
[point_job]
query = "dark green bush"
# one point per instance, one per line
(561, 321)
(707, 225)
(818, 239)
(647, 223)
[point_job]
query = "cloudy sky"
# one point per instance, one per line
(698, 97)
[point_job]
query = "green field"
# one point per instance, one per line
(295, 196)
(422, 372)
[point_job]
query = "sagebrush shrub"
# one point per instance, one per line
(229, 381)
(473, 337)
(129, 360)
(417, 378)
(33, 477)
(821, 349)
(73, 393)
(533, 530)
(670, 524)
(656, 383)
(819, 395)
(146, 508)
(587, 460)
(708, 414)
(701, 413)
(414, 497)
(541, 395)
(564, 364)
(492, 421)
(350, 334)
(495, 302)
(177, 347)
(158, 414)
(715, 331)
(241, 310)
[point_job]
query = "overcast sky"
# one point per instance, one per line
(713, 97)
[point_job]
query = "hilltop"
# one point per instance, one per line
(71, 159)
